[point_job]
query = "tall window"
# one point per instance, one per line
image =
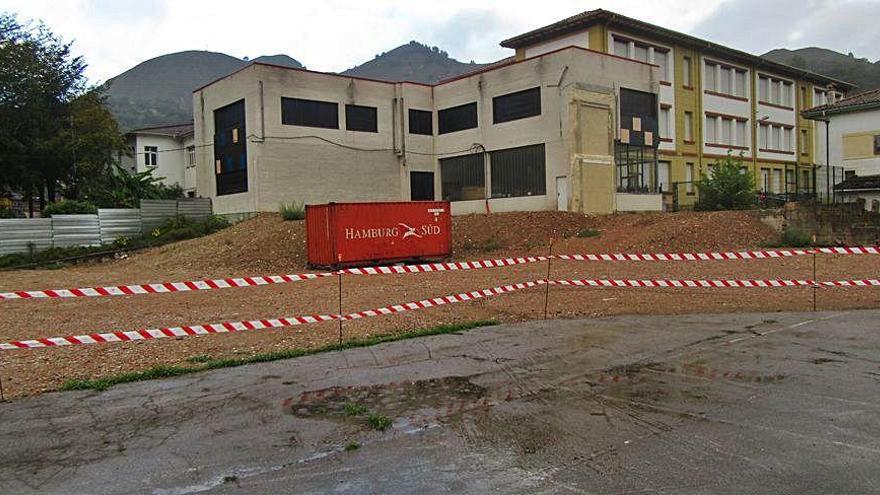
(689, 178)
(663, 176)
(457, 118)
(709, 76)
(686, 70)
(309, 113)
(621, 47)
(725, 80)
(361, 118)
(710, 130)
(661, 58)
(877, 145)
(421, 122)
(463, 178)
(151, 156)
(741, 133)
(190, 156)
(230, 152)
(689, 126)
(775, 91)
(664, 122)
(518, 172)
(514, 106)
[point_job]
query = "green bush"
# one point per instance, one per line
(729, 187)
(292, 211)
(70, 207)
(792, 237)
(379, 422)
(7, 213)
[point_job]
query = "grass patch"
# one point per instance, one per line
(795, 238)
(211, 364)
(355, 409)
(379, 422)
(586, 233)
(198, 358)
(350, 446)
(292, 211)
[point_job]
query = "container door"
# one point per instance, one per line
(562, 193)
(421, 186)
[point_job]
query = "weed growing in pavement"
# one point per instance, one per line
(350, 446)
(355, 409)
(169, 371)
(292, 211)
(379, 422)
(589, 233)
(198, 358)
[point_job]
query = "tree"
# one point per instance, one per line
(730, 186)
(39, 78)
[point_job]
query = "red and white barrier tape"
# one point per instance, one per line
(240, 326)
(169, 287)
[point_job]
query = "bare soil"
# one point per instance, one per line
(266, 245)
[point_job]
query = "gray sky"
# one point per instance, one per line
(333, 35)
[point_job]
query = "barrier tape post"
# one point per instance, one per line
(815, 285)
(547, 288)
(340, 306)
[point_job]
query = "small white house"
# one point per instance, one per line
(169, 151)
(853, 125)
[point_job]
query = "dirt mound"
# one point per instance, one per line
(530, 233)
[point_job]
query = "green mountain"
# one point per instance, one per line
(159, 91)
(859, 71)
(413, 62)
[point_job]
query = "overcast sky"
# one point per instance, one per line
(334, 35)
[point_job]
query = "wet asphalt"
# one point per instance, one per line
(696, 404)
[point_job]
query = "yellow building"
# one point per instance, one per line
(713, 100)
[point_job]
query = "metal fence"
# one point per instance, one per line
(21, 235)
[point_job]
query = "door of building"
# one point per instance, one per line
(421, 186)
(562, 193)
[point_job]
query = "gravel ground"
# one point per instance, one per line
(266, 246)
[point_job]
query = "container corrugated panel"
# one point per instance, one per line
(194, 208)
(76, 230)
(154, 212)
(119, 222)
(20, 235)
(347, 234)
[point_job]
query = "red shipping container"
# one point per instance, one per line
(349, 234)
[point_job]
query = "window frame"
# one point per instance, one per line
(351, 108)
(288, 118)
(441, 129)
(420, 114)
(151, 156)
(517, 189)
(480, 160)
(530, 108)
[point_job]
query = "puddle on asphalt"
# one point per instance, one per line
(408, 401)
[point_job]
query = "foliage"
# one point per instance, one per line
(379, 422)
(355, 409)
(70, 207)
(120, 189)
(350, 446)
(292, 211)
(589, 233)
(792, 237)
(39, 78)
(160, 371)
(6, 212)
(729, 187)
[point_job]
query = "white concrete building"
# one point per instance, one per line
(169, 151)
(536, 134)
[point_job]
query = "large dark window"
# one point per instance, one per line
(457, 118)
(230, 149)
(517, 105)
(637, 170)
(360, 118)
(309, 113)
(421, 186)
(641, 105)
(463, 177)
(518, 172)
(421, 122)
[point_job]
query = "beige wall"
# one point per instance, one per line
(293, 163)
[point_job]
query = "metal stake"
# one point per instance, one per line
(340, 307)
(547, 279)
(815, 286)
